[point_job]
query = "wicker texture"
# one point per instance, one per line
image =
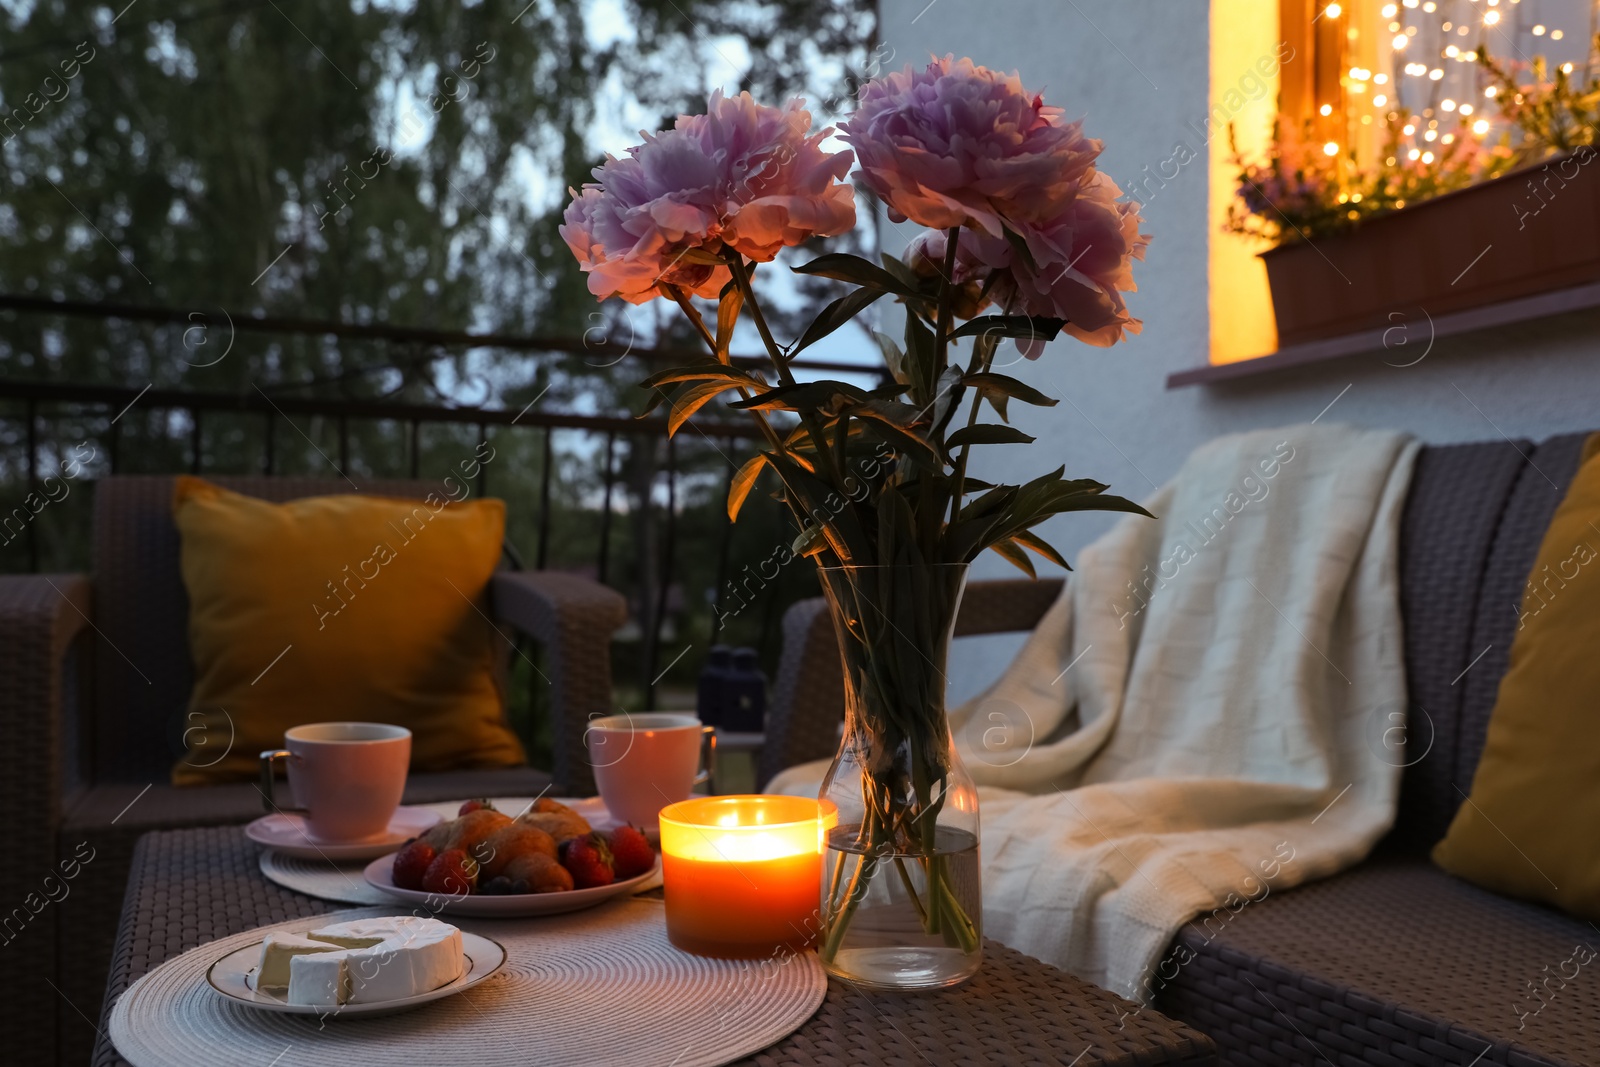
(574, 618)
(1539, 489)
(78, 770)
(1391, 963)
(1445, 539)
(40, 616)
(1016, 1010)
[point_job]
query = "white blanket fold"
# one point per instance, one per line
(1207, 713)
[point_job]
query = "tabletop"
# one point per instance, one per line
(188, 887)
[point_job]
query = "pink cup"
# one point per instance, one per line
(346, 777)
(644, 762)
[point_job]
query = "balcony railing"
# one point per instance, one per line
(619, 469)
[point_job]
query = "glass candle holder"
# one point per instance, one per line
(743, 874)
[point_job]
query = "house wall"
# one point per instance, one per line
(1139, 72)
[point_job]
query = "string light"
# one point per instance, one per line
(1491, 91)
(1414, 154)
(1400, 42)
(1431, 135)
(1452, 51)
(1448, 138)
(1326, 109)
(1379, 100)
(1466, 109)
(1430, 7)
(1408, 129)
(1447, 104)
(1480, 127)
(1491, 17)
(1427, 157)
(1435, 74)
(1566, 68)
(1331, 148)
(1538, 31)
(1333, 11)
(1381, 79)
(1556, 35)
(1390, 11)
(1411, 3)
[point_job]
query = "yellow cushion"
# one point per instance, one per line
(339, 608)
(1528, 829)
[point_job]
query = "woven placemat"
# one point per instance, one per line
(342, 883)
(599, 987)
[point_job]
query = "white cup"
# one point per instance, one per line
(346, 777)
(644, 762)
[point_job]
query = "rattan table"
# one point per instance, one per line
(188, 887)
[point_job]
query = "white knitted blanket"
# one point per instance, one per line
(1207, 713)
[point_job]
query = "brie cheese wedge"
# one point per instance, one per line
(374, 960)
(276, 952)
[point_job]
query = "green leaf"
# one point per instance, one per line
(890, 411)
(802, 396)
(848, 268)
(729, 304)
(987, 433)
(991, 385)
(947, 396)
(744, 479)
(836, 315)
(810, 541)
(1009, 551)
(907, 443)
(1026, 327)
(1041, 546)
(901, 270)
(690, 400)
(696, 372)
(893, 357)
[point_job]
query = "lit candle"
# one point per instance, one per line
(742, 874)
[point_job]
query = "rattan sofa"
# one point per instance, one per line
(1393, 962)
(94, 681)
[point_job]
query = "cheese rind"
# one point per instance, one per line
(376, 960)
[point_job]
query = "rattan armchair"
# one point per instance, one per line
(94, 682)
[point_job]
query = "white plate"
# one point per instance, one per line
(231, 977)
(380, 874)
(286, 832)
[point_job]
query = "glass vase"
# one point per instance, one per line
(902, 904)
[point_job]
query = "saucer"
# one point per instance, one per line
(286, 832)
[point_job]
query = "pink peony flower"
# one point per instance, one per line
(1082, 264)
(958, 144)
(741, 175)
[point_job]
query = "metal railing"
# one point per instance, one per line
(41, 401)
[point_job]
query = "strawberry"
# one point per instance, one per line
(474, 805)
(452, 873)
(588, 860)
(411, 863)
(631, 852)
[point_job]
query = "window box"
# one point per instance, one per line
(1528, 232)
